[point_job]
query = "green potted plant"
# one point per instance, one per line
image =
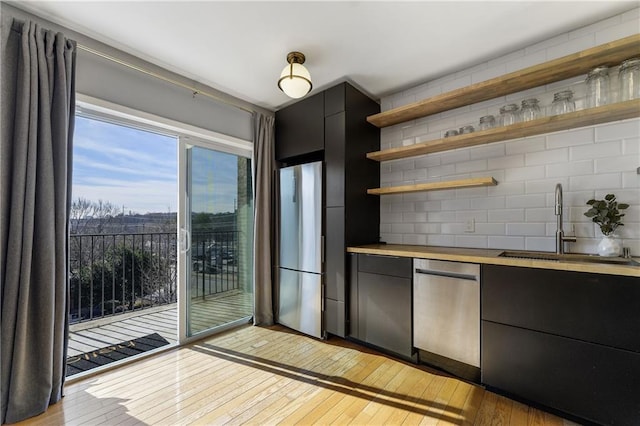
(606, 213)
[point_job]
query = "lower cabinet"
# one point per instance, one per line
(380, 308)
(564, 340)
(591, 381)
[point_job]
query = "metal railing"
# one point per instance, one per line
(214, 262)
(116, 273)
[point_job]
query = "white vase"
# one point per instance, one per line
(609, 246)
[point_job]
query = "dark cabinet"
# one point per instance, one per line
(567, 340)
(332, 125)
(381, 302)
(299, 128)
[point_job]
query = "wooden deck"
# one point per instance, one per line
(267, 376)
(212, 311)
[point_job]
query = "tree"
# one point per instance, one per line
(88, 216)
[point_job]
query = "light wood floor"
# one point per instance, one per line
(256, 375)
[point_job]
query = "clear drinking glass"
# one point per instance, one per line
(509, 114)
(598, 87)
(530, 110)
(450, 133)
(630, 79)
(563, 103)
(466, 129)
(487, 122)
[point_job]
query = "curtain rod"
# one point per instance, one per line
(194, 90)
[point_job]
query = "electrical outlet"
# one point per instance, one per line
(470, 225)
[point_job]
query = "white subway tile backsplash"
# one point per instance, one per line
(583, 167)
(618, 130)
(518, 213)
(570, 138)
(625, 163)
(506, 215)
(427, 228)
(490, 229)
(524, 173)
(510, 243)
(571, 46)
(625, 29)
(402, 228)
(521, 146)
(598, 150)
(441, 240)
(471, 166)
(473, 241)
(550, 156)
(417, 239)
(526, 229)
(414, 217)
(630, 180)
(601, 181)
(539, 243)
(417, 174)
(440, 171)
(487, 203)
(525, 201)
(631, 146)
(521, 62)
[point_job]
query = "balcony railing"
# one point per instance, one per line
(116, 273)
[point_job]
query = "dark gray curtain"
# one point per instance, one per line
(264, 240)
(38, 104)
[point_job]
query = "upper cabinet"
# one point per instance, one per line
(609, 54)
(299, 128)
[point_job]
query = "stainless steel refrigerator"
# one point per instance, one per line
(301, 249)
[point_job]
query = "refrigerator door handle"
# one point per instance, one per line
(322, 249)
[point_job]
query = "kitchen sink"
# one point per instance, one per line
(569, 257)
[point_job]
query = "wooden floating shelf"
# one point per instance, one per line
(435, 186)
(609, 54)
(586, 117)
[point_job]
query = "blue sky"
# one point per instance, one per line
(138, 170)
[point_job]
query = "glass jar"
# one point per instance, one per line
(530, 110)
(487, 122)
(597, 87)
(450, 133)
(563, 103)
(509, 114)
(630, 79)
(466, 129)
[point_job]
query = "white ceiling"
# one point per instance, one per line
(383, 47)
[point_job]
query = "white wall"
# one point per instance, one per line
(518, 213)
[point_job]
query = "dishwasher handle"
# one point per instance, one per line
(447, 274)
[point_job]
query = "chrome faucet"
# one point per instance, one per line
(560, 238)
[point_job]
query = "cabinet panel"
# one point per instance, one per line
(386, 265)
(334, 100)
(335, 317)
(384, 312)
(587, 380)
(299, 128)
(353, 295)
(335, 159)
(592, 307)
(335, 254)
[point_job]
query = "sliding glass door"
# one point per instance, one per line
(217, 232)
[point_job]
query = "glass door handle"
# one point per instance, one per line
(185, 240)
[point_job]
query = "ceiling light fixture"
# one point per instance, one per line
(295, 80)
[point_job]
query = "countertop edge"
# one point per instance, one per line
(490, 257)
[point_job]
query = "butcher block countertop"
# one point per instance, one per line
(569, 262)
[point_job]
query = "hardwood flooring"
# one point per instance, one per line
(271, 375)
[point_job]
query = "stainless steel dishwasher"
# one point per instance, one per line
(446, 315)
